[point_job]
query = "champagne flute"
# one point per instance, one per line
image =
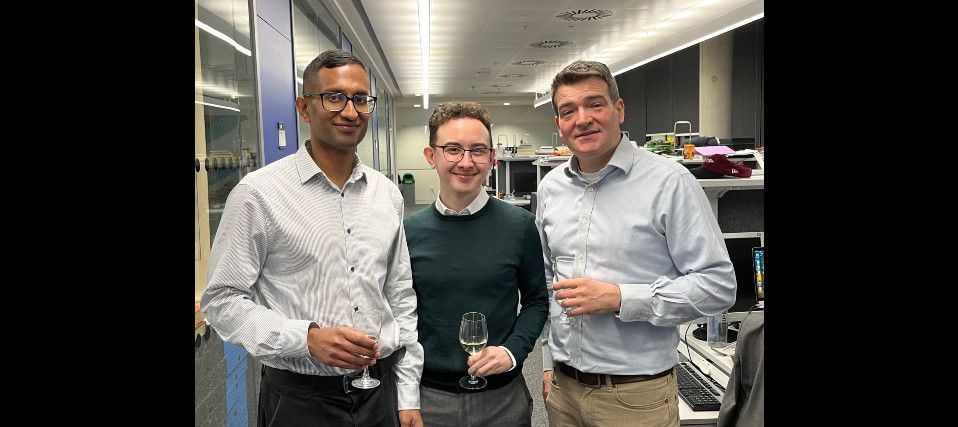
(473, 337)
(369, 321)
(562, 269)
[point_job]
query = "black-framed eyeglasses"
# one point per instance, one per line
(455, 153)
(335, 101)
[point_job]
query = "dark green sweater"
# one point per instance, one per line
(480, 262)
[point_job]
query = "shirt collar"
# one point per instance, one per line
(621, 158)
(307, 168)
(478, 203)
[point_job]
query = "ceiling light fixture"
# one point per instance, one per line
(424, 49)
(693, 42)
(223, 37)
(544, 99)
(506, 103)
(217, 106)
(416, 105)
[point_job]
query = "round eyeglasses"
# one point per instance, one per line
(455, 153)
(336, 102)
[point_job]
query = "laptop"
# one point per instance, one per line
(758, 270)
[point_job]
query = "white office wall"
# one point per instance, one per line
(412, 135)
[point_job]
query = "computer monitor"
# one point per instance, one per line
(740, 251)
(758, 268)
(739, 246)
(523, 182)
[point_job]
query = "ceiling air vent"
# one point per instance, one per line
(585, 14)
(549, 44)
(528, 62)
(510, 76)
(501, 85)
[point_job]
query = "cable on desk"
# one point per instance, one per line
(688, 348)
(750, 310)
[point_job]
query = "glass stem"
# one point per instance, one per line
(472, 379)
(366, 373)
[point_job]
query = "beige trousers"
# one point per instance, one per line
(646, 403)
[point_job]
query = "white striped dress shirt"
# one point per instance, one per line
(292, 249)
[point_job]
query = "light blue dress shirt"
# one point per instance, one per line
(647, 226)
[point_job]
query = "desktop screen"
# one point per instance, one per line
(739, 246)
(523, 182)
(758, 266)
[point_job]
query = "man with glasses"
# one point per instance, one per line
(303, 243)
(649, 255)
(470, 252)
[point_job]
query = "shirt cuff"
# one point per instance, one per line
(511, 357)
(297, 333)
(408, 396)
(636, 302)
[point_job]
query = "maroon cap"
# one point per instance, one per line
(717, 165)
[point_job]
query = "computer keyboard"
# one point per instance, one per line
(696, 391)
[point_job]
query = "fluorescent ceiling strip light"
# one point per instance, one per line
(424, 49)
(217, 106)
(696, 41)
(545, 99)
(223, 37)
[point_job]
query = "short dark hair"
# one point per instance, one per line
(329, 59)
(579, 71)
(447, 111)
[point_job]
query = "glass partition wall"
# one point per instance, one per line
(226, 133)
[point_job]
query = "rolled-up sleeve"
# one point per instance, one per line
(707, 284)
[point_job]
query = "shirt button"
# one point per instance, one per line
(349, 230)
(591, 189)
(351, 269)
(342, 194)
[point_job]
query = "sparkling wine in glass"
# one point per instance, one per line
(561, 270)
(369, 321)
(473, 336)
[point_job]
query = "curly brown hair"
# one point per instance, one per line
(447, 111)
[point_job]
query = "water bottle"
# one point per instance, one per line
(716, 332)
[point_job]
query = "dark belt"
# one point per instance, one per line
(596, 380)
(332, 383)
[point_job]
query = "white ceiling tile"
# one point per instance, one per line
(485, 36)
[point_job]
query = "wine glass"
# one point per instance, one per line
(369, 321)
(473, 336)
(562, 267)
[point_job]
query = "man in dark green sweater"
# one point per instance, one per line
(470, 252)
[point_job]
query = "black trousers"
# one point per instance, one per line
(291, 399)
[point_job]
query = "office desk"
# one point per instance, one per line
(716, 188)
(506, 188)
(715, 364)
